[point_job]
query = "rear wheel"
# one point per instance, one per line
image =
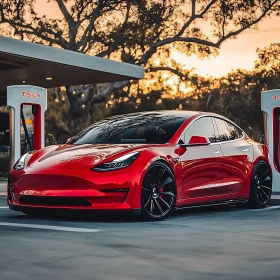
(158, 194)
(261, 185)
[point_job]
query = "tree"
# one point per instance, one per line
(140, 32)
(269, 59)
(268, 66)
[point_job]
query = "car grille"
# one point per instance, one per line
(55, 201)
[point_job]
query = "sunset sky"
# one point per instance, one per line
(240, 52)
(235, 53)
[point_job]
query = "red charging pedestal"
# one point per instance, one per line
(270, 105)
(20, 95)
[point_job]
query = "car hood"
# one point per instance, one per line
(76, 156)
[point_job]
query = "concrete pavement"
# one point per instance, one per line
(3, 187)
(209, 244)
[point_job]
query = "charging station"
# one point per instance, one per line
(270, 105)
(17, 97)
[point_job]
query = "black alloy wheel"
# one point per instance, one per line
(158, 192)
(261, 185)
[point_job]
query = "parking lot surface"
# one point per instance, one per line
(215, 243)
(3, 188)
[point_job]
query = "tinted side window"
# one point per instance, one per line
(227, 131)
(201, 127)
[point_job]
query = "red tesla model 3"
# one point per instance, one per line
(150, 163)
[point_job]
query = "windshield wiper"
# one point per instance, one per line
(133, 141)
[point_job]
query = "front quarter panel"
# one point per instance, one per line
(61, 182)
(164, 153)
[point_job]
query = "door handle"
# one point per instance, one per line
(245, 150)
(216, 152)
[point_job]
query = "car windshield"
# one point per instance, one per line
(152, 128)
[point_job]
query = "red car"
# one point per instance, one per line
(150, 163)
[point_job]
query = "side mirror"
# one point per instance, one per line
(198, 140)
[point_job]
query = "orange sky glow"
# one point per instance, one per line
(234, 53)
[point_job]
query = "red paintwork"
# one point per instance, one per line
(275, 137)
(214, 172)
(195, 140)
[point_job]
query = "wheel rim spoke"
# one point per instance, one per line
(264, 193)
(260, 195)
(152, 206)
(168, 193)
(261, 177)
(263, 186)
(166, 182)
(150, 197)
(145, 189)
(165, 203)
(158, 206)
(266, 179)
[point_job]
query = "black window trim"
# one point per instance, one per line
(215, 127)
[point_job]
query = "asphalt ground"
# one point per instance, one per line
(210, 243)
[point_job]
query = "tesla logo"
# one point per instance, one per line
(31, 94)
(276, 97)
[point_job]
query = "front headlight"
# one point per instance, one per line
(20, 164)
(118, 163)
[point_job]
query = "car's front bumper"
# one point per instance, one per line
(69, 189)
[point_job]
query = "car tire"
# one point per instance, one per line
(158, 193)
(261, 185)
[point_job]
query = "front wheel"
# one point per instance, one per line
(261, 185)
(158, 194)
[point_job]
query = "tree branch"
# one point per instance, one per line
(72, 24)
(81, 10)
(193, 7)
(121, 39)
(111, 48)
(65, 12)
(167, 41)
(88, 32)
(126, 16)
(204, 42)
(237, 32)
(195, 16)
(102, 95)
(169, 69)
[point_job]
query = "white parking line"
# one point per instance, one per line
(266, 209)
(71, 229)
(4, 207)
